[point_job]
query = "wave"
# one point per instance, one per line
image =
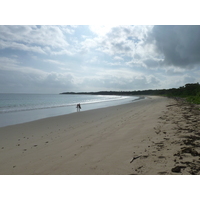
(99, 99)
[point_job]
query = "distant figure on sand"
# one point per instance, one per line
(78, 106)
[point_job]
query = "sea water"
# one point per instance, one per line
(20, 108)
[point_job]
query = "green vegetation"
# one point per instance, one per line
(190, 92)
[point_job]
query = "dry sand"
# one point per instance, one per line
(152, 136)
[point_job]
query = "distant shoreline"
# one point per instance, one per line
(98, 93)
(190, 92)
(49, 106)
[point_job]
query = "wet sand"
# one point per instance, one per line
(156, 135)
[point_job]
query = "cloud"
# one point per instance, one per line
(111, 82)
(53, 62)
(152, 62)
(5, 61)
(40, 39)
(127, 44)
(118, 58)
(19, 46)
(70, 29)
(58, 82)
(117, 41)
(13, 66)
(135, 63)
(93, 60)
(87, 45)
(189, 79)
(22, 79)
(29, 80)
(174, 71)
(113, 63)
(179, 44)
(97, 57)
(114, 40)
(61, 52)
(101, 30)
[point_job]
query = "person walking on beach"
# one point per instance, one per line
(78, 106)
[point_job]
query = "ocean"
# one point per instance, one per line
(20, 108)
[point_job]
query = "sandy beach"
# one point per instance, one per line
(156, 135)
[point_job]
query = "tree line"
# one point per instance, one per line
(191, 92)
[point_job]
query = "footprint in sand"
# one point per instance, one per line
(161, 157)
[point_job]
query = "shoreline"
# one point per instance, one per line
(23, 116)
(143, 137)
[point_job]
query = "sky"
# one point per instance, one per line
(84, 58)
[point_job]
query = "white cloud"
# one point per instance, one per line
(62, 52)
(113, 63)
(118, 58)
(33, 38)
(68, 29)
(101, 30)
(121, 41)
(30, 80)
(87, 45)
(113, 82)
(19, 46)
(5, 61)
(135, 63)
(93, 60)
(54, 62)
(15, 67)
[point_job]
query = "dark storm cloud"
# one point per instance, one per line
(151, 63)
(179, 44)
